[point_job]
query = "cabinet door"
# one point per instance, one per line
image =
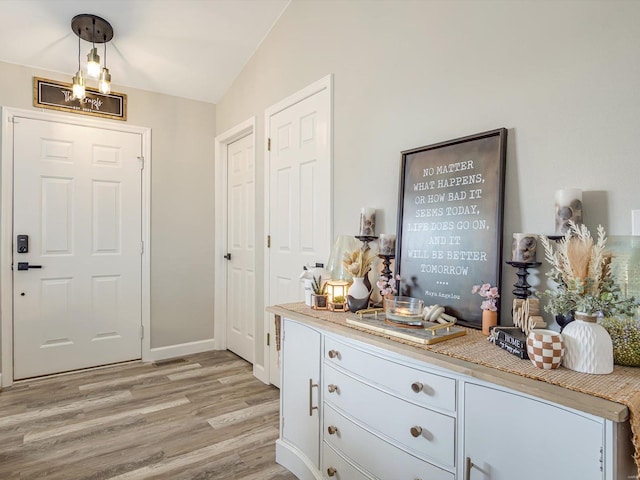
(299, 391)
(507, 436)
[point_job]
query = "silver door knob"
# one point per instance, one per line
(332, 430)
(332, 388)
(416, 431)
(331, 471)
(334, 354)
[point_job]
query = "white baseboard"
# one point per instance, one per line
(172, 351)
(260, 373)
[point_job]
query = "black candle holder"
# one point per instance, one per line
(522, 287)
(365, 239)
(386, 264)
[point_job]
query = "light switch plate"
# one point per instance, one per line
(635, 222)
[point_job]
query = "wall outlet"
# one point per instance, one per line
(635, 222)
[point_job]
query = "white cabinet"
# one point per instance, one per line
(508, 436)
(299, 446)
(388, 416)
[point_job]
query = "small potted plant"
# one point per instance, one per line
(319, 295)
(338, 304)
(586, 286)
(489, 305)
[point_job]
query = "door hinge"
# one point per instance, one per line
(141, 247)
(268, 144)
(283, 424)
(12, 120)
(268, 241)
(268, 339)
(141, 332)
(141, 158)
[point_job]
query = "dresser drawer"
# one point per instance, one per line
(336, 467)
(394, 418)
(374, 454)
(415, 385)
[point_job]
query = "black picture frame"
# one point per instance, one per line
(450, 218)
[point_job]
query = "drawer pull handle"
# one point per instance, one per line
(417, 387)
(467, 468)
(416, 431)
(332, 388)
(334, 354)
(331, 471)
(311, 407)
(332, 430)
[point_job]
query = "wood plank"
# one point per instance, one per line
(204, 416)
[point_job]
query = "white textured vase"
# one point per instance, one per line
(358, 289)
(588, 347)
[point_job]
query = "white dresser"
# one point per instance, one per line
(352, 409)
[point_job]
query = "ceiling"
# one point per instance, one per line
(188, 48)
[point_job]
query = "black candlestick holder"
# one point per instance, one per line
(365, 239)
(386, 265)
(522, 287)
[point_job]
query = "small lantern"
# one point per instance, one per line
(337, 289)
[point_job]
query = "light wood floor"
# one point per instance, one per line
(200, 417)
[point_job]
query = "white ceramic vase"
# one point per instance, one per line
(588, 346)
(358, 289)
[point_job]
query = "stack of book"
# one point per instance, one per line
(513, 340)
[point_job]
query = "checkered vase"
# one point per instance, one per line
(545, 348)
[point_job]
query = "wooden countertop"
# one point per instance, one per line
(472, 355)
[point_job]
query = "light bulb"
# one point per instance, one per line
(78, 86)
(104, 85)
(93, 63)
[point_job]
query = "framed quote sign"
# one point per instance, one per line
(450, 222)
(59, 96)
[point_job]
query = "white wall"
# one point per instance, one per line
(182, 207)
(562, 76)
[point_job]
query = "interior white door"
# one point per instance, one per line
(77, 195)
(241, 272)
(300, 199)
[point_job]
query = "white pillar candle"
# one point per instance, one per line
(568, 207)
(367, 222)
(387, 243)
(523, 247)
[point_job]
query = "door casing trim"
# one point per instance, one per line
(8, 115)
(325, 83)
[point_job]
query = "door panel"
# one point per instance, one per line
(241, 244)
(77, 194)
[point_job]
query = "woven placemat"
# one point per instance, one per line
(621, 386)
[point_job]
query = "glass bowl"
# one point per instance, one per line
(403, 309)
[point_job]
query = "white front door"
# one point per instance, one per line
(241, 273)
(77, 291)
(299, 198)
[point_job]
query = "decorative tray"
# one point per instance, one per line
(429, 334)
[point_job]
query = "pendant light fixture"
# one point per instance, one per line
(104, 85)
(94, 29)
(93, 59)
(78, 81)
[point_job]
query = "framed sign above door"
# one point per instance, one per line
(59, 96)
(450, 221)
